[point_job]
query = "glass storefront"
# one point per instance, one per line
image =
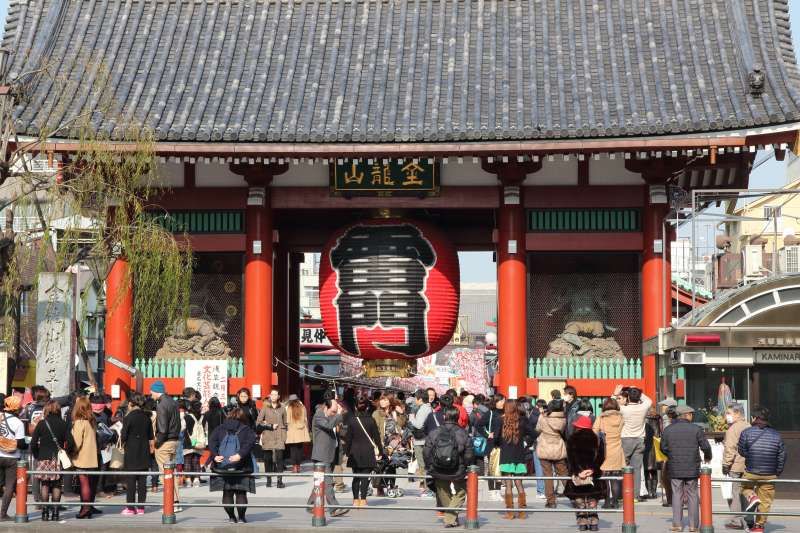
(779, 391)
(703, 387)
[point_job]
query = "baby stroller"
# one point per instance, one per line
(397, 454)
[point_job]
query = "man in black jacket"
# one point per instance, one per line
(448, 452)
(681, 442)
(764, 457)
(168, 429)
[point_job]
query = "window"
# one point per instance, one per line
(779, 388)
(703, 383)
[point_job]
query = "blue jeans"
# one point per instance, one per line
(537, 467)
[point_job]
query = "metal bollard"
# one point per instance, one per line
(168, 512)
(22, 492)
(706, 502)
(471, 521)
(628, 511)
(318, 512)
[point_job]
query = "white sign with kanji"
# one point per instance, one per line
(209, 378)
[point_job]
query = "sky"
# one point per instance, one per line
(479, 267)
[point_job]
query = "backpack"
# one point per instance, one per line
(446, 457)
(228, 447)
(105, 436)
(198, 436)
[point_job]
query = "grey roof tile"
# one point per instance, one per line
(402, 70)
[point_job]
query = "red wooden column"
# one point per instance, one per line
(281, 318)
(119, 326)
(655, 269)
(258, 276)
(512, 277)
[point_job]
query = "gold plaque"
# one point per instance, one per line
(390, 368)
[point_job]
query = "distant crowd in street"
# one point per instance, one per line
(432, 437)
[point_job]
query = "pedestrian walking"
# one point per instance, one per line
(167, 431)
(85, 453)
(513, 439)
(551, 447)
(492, 452)
(652, 429)
(764, 456)
(271, 423)
(539, 408)
(362, 448)
(138, 442)
(48, 439)
(634, 408)
(231, 447)
(667, 410)
(733, 464)
(297, 434)
(421, 411)
(448, 451)
(608, 427)
(326, 447)
(681, 443)
(585, 457)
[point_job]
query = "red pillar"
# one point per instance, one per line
(656, 279)
(258, 292)
(280, 310)
(119, 327)
(512, 273)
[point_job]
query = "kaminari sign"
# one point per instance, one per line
(778, 356)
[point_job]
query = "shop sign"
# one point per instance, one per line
(777, 357)
(360, 177)
(313, 334)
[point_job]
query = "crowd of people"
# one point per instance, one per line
(433, 437)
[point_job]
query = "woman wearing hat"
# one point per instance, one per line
(585, 455)
(12, 431)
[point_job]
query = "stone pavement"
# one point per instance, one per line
(377, 517)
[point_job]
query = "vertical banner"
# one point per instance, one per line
(209, 378)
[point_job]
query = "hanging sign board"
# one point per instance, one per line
(209, 378)
(778, 357)
(351, 177)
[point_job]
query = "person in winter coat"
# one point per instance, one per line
(479, 419)
(324, 424)
(84, 452)
(585, 456)
(420, 413)
(167, 430)
(296, 432)
(234, 468)
(449, 444)
(681, 443)
(362, 448)
(49, 436)
(732, 462)
(634, 407)
(513, 440)
(214, 416)
(271, 422)
(138, 440)
(196, 440)
(608, 426)
(494, 424)
(247, 405)
(390, 417)
(533, 419)
(652, 428)
(764, 458)
(551, 447)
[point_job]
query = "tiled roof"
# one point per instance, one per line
(404, 70)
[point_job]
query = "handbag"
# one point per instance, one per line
(479, 442)
(494, 462)
(7, 445)
(375, 448)
(62, 457)
(117, 458)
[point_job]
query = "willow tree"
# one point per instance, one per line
(91, 205)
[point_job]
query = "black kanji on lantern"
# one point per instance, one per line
(381, 276)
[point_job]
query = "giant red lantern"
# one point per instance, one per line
(389, 291)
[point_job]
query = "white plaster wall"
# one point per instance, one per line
(304, 175)
(216, 175)
(555, 172)
(605, 171)
(465, 174)
(170, 174)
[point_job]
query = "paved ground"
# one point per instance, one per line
(378, 517)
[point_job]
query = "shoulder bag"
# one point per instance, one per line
(377, 450)
(479, 442)
(62, 457)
